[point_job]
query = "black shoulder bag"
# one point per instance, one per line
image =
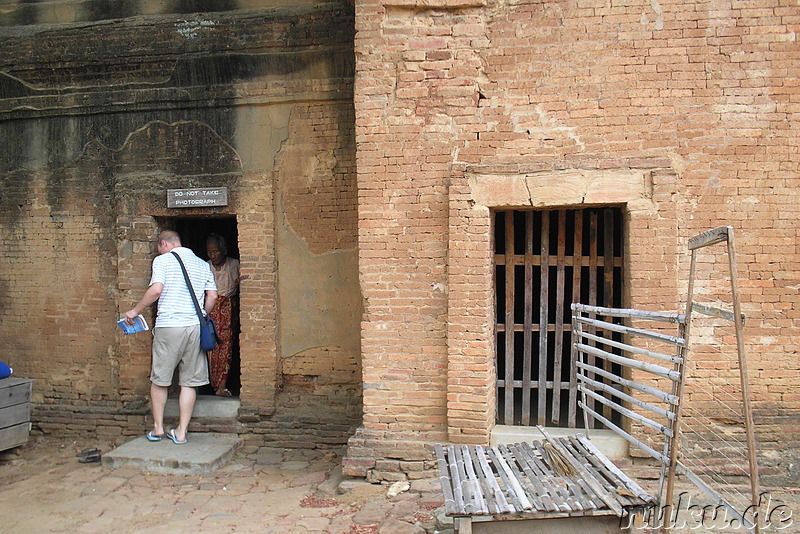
(209, 338)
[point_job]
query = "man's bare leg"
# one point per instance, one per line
(186, 402)
(158, 400)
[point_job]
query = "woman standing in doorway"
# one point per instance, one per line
(226, 275)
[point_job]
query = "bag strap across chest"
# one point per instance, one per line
(189, 285)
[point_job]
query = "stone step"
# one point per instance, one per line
(207, 406)
(609, 443)
(211, 414)
(202, 453)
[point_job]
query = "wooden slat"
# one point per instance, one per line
(593, 257)
(569, 261)
(670, 458)
(629, 483)
(608, 258)
(608, 275)
(710, 237)
(577, 250)
(521, 327)
(638, 332)
(514, 489)
(560, 494)
(445, 481)
(467, 491)
(614, 406)
(635, 350)
(747, 408)
(544, 300)
(500, 500)
(657, 393)
(628, 313)
(611, 426)
(713, 311)
(575, 499)
(610, 480)
(578, 490)
(455, 478)
(14, 436)
(527, 366)
(592, 500)
(486, 488)
(14, 415)
(539, 495)
(607, 498)
(475, 491)
(14, 391)
(600, 474)
(515, 481)
(630, 363)
(627, 398)
(508, 409)
(518, 384)
(558, 349)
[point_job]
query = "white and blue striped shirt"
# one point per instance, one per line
(175, 306)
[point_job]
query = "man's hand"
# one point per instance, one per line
(150, 296)
(130, 315)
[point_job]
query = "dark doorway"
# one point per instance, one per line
(193, 232)
(544, 261)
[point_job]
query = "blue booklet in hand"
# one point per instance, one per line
(139, 325)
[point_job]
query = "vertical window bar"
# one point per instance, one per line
(544, 301)
(528, 327)
(509, 326)
(608, 282)
(577, 267)
(592, 290)
(558, 351)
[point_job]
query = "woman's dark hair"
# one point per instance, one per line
(219, 240)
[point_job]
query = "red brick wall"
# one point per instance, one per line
(702, 97)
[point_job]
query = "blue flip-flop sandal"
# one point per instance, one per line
(175, 440)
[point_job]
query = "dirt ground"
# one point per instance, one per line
(44, 488)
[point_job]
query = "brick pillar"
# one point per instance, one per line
(135, 252)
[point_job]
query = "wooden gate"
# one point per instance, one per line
(544, 261)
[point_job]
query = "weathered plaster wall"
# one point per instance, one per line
(101, 111)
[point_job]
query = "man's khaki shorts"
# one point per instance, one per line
(178, 346)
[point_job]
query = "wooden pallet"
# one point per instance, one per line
(553, 478)
(15, 411)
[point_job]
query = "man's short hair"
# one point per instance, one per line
(171, 237)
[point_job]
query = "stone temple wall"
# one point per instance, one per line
(100, 113)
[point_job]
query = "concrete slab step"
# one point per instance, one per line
(609, 443)
(203, 453)
(207, 406)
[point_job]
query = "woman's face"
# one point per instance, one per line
(216, 256)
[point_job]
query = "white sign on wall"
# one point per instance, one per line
(201, 197)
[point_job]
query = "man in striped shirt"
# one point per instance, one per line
(176, 335)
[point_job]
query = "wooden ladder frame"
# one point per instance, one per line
(722, 234)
